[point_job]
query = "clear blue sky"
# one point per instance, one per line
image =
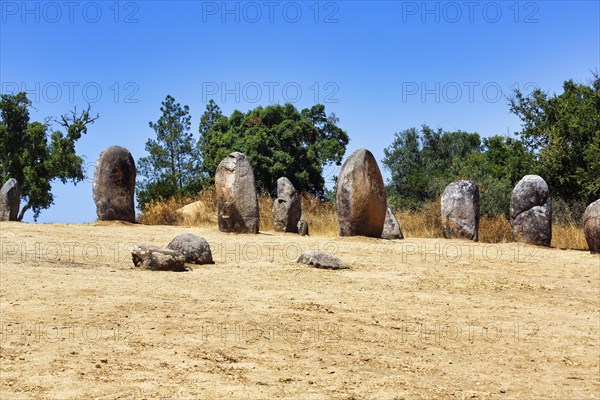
(380, 66)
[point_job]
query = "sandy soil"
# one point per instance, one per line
(418, 318)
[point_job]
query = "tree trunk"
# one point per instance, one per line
(22, 213)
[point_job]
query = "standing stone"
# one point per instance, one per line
(10, 200)
(531, 211)
(591, 224)
(114, 185)
(361, 201)
(237, 201)
(286, 207)
(460, 211)
(391, 227)
(302, 227)
(194, 248)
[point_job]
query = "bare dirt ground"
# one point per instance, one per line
(418, 318)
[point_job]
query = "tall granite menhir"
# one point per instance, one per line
(361, 201)
(287, 209)
(114, 185)
(10, 200)
(460, 211)
(531, 211)
(235, 188)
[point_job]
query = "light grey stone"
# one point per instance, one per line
(10, 200)
(460, 211)
(286, 207)
(237, 201)
(591, 223)
(157, 259)
(194, 248)
(391, 227)
(321, 259)
(531, 211)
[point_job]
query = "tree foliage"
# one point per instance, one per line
(423, 162)
(278, 140)
(560, 141)
(35, 155)
(172, 167)
(563, 133)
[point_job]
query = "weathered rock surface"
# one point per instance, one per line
(460, 211)
(286, 207)
(361, 201)
(114, 185)
(391, 227)
(237, 201)
(591, 224)
(302, 227)
(157, 259)
(531, 211)
(10, 200)
(194, 249)
(321, 259)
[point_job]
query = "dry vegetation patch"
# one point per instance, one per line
(322, 219)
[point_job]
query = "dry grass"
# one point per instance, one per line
(425, 223)
(322, 219)
(570, 236)
(163, 212)
(495, 230)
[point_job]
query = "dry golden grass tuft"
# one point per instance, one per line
(425, 223)
(322, 219)
(265, 211)
(164, 212)
(495, 230)
(201, 211)
(570, 236)
(321, 216)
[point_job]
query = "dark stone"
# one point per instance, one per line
(114, 185)
(591, 223)
(10, 200)
(391, 227)
(302, 228)
(237, 201)
(321, 259)
(361, 201)
(194, 248)
(157, 259)
(460, 211)
(286, 207)
(531, 211)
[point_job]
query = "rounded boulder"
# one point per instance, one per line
(194, 249)
(531, 211)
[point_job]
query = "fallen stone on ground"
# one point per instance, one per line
(321, 259)
(157, 259)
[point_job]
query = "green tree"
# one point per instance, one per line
(502, 162)
(35, 155)
(172, 167)
(423, 162)
(563, 133)
(278, 140)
